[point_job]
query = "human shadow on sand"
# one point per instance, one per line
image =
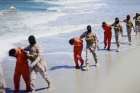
(123, 43)
(62, 67)
(67, 67)
(90, 66)
(9, 90)
(111, 50)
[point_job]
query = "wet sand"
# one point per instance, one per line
(118, 72)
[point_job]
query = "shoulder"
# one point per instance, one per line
(20, 51)
(124, 20)
(113, 24)
(77, 39)
(36, 46)
(83, 34)
(93, 33)
(27, 48)
(138, 18)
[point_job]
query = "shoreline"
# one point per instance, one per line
(53, 28)
(49, 51)
(64, 53)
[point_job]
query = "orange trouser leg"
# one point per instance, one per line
(109, 41)
(77, 56)
(26, 78)
(76, 59)
(16, 81)
(105, 40)
(80, 57)
(81, 60)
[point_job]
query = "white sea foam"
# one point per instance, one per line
(65, 2)
(18, 26)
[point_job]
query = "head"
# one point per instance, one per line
(128, 17)
(117, 20)
(32, 40)
(137, 14)
(71, 41)
(12, 52)
(103, 24)
(89, 28)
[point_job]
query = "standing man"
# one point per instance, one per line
(118, 30)
(129, 26)
(91, 44)
(78, 48)
(21, 69)
(37, 65)
(137, 22)
(107, 35)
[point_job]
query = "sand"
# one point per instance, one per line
(118, 72)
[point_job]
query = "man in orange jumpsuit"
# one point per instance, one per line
(21, 69)
(107, 35)
(78, 47)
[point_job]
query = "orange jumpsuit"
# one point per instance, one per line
(21, 69)
(107, 36)
(78, 47)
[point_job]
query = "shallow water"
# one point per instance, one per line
(51, 18)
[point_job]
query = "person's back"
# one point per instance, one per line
(78, 44)
(107, 35)
(107, 28)
(21, 58)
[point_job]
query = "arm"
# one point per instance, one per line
(83, 35)
(32, 52)
(29, 55)
(36, 56)
(38, 59)
(121, 28)
(134, 17)
(124, 21)
(133, 26)
(113, 24)
(96, 43)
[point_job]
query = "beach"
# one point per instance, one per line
(118, 72)
(54, 23)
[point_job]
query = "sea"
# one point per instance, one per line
(21, 18)
(51, 18)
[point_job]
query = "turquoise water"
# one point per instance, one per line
(48, 18)
(53, 17)
(25, 5)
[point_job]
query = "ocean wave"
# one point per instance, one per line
(58, 17)
(25, 5)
